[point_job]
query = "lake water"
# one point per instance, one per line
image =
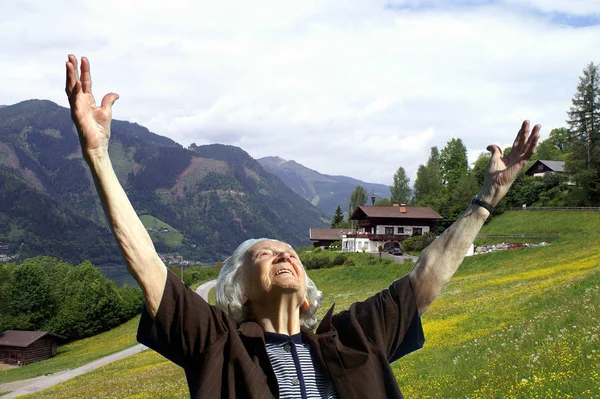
(118, 274)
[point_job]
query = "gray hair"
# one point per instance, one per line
(230, 289)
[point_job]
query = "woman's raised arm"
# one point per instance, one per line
(93, 127)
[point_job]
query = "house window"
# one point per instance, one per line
(389, 230)
(400, 230)
(417, 231)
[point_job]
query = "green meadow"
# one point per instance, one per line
(171, 238)
(522, 323)
(78, 353)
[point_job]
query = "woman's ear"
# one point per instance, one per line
(305, 304)
(244, 299)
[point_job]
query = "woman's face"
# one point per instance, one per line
(273, 269)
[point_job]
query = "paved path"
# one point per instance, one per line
(31, 385)
(205, 288)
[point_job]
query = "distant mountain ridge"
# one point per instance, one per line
(215, 195)
(326, 192)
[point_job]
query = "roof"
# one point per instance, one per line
(556, 166)
(22, 339)
(393, 212)
(328, 234)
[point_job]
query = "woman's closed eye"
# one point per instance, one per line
(264, 254)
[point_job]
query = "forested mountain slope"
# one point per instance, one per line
(215, 195)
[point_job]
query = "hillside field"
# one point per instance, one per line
(171, 238)
(523, 323)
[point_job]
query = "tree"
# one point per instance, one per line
(90, 303)
(460, 196)
(480, 168)
(546, 151)
(357, 198)
(453, 162)
(555, 147)
(584, 115)
(30, 296)
(584, 129)
(429, 189)
(384, 202)
(560, 139)
(400, 190)
(338, 217)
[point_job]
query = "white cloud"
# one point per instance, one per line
(353, 88)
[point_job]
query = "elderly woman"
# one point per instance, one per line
(259, 341)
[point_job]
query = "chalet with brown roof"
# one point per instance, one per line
(325, 237)
(387, 226)
(24, 347)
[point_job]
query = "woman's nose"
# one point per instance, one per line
(283, 256)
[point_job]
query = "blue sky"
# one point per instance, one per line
(356, 88)
(557, 16)
(574, 20)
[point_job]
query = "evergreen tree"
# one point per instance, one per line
(453, 162)
(584, 129)
(400, 190)
(429, 189)
(357, 198)
(338, 217)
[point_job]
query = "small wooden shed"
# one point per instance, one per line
(24, 347)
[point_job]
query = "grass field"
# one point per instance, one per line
(172, 238)
(78, 353)
(523, 323)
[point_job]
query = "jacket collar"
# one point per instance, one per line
(251, 329)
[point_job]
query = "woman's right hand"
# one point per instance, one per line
(92, 122)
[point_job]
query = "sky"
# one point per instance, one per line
(345, 87)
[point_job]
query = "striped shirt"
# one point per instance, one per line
(298, 374)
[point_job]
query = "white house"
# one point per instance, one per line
(387, 226)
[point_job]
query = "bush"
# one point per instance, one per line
(336, 246)
(418, 243)
(339, 259)
(316, 262)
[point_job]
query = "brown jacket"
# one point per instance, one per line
(222, 360)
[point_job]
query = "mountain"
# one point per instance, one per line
(216, 196)
(326, 192)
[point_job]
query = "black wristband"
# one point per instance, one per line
(483, 204)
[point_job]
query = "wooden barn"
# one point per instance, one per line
(24, 347)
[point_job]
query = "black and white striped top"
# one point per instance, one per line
(298, 374)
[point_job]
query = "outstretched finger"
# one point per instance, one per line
(86, 77)
(522, 136)
(532, 142)
(71, 69)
